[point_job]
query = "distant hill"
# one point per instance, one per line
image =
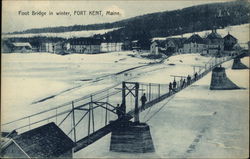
(191, 19)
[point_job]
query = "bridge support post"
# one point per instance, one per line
(131, 137)
(238, 65)
(220, 80)
(128, 136)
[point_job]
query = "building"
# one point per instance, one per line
(127, 45)
(6, 46)
(174, 45)
(194, 44)
(16, 47)
(47, 141)
(111, 46)
(135, 45)
(214, 43)
(155, 46)
(229, 42)
(54, 47)
(85, 45)
(21, 47)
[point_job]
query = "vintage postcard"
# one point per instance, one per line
(125, 79)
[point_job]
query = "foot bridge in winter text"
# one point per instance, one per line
(87, 119)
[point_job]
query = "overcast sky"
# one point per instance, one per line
(12, 21)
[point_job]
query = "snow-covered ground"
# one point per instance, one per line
(196, 123)
(214, 122)
(241, 32)
(31, 77)
(72, 34)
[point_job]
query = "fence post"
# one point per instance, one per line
(159, 90)
(149, 96)
(74, 124)
(89, 121)
(92, 110)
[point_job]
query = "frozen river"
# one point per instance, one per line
(197, 122)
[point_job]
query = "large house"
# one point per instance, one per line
(214, 43)
(85, 45)
(194, 44)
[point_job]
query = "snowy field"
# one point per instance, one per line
(72, 34)
(197, 122)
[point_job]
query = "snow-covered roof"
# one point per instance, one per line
(22, 44)
(195, 38)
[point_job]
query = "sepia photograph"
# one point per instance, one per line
(125, 79)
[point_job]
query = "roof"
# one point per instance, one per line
(195, 38)
(160, 43)
(177, 41)
(45, 141)
(21, 44)
(88, 41)
(229, 36)
(214, 35)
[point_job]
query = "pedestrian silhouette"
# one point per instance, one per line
(170, 87)
(143, 101)
(183, 83)
(118, 111)
(174, 85)
(188, 79)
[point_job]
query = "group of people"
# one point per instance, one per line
(183, 82)
(121, 109)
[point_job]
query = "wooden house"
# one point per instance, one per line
(47, 141)
(229, 42)
(194, 44)
(21, 47)
(85, 45)
(174, 45)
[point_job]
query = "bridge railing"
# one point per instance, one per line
(56, 114)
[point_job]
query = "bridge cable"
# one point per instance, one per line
(159, 109)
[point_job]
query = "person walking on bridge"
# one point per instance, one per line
(143, 101)
(170, 87)
(118, 111)
(195, 76)
(183, 84)
(188, 80)
(174, 85)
